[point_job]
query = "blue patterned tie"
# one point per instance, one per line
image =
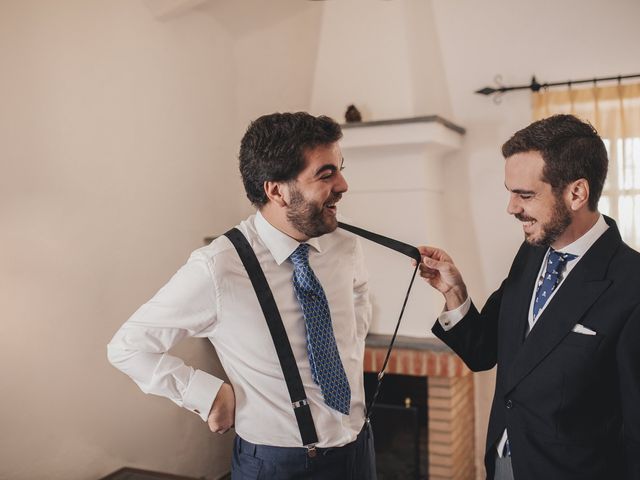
(326, 366)
(556, 263)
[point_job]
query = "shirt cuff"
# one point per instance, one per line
(201, 393)
(449, 318)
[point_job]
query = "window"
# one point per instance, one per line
(621, 195)
(615, 112)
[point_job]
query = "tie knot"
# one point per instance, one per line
(300, 256)
(558, 260)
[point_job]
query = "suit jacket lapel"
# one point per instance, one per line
(515, 305)
(580, 290)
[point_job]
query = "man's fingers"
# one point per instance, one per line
(425, 270)
(434, 253)
(217, 428)
(426, 250)
(432, 264)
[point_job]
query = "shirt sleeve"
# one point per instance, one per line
(362, 301)
(185, 307)
(449, 318)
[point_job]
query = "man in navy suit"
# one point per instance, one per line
(564, 326)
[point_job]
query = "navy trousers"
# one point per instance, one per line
(354, 461)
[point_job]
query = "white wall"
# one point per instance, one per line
(113, 167)
(363, 59)
(381, 56)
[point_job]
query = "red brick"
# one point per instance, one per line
(431, 364)
(392, 367)
(368, 361)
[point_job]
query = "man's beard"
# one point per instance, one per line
(550, 231)
(308, 218)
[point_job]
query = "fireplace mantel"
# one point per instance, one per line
(403, 121)
(431, 134)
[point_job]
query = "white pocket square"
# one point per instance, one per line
(582, 329)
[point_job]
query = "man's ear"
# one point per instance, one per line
(276, 192)
(578, 194)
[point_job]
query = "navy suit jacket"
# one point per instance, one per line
(570, 401)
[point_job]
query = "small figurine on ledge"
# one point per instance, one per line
(352, 114)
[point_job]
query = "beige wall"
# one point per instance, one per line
(119, 135)
(113, 145)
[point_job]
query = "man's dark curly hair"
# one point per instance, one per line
(571, 149)
(274, 146)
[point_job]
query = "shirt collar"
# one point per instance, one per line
(279, 244)
(584, 243)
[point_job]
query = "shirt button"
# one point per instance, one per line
(446, 323)
(509, 404)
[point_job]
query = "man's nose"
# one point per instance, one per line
(513, 206)
(341, 185)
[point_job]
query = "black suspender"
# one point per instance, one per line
(280, 339)
(409, 251)
(400, 247)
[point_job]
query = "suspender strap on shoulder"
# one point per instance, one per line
(279, 336)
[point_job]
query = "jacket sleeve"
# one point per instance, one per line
(475, 337)
(628, 359)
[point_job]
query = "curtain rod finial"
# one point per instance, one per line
(486, 91)
(535, 86)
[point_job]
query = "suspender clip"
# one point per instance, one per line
(311, 450)
(300, 403)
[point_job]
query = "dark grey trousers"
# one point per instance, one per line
(503, 469)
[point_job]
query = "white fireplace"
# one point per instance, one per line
(395, 174)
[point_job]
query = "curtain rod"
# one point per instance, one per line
(534, 86)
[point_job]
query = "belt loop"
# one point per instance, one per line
(242, 447)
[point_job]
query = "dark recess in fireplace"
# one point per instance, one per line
(400, 421)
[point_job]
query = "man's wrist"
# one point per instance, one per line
(455, 297)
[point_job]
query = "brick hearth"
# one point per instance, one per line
(450, 399)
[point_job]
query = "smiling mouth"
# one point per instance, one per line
(331, 207)
(528, 224)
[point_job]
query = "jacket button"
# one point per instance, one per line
(509, 404)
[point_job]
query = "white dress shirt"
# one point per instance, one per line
(211, 296)
(448, 319)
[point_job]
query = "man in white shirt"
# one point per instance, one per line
(291, 167)
(564, 326)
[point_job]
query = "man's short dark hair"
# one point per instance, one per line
(571, 149)
(274, 146)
